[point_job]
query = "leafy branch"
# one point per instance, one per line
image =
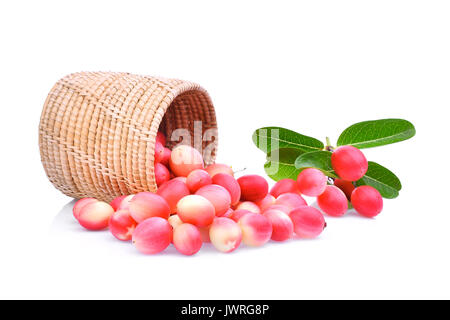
(289, 152)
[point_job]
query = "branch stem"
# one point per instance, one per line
(329, 147)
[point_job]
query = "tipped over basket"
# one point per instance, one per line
(98, 130)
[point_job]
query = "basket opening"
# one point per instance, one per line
(190, 119)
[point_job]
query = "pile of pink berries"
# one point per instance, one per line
(194, 204)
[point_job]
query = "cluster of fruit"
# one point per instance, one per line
(205, 205)
(351, 165)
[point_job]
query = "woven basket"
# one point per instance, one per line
(97, 130)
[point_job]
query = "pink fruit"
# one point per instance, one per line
(253, 187)
(174, 221)
(187, 239)
(80, 204)
(122, 225)
(367, 201)
(280, 207)
(237, 214)
(311, 182)
(159, 152)
(266, 202)
(116, 202)
(291, 200)
(162, 174)
(282, 226)
(196, 210)
(152, 235)
(95, 215)
(161, 138)
(146, 205)
(248, 205)
(308, 222)
(333, 201)
(284, 186)
(165, 159)
(172, 191)
(125, 203)
(185, 159)
(228, 182)
(256, 229)
(349, 163)
(218, 196)
(225, 234)
(216, 168)
(197, 179)
(346, 186)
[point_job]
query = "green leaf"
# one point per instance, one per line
(317, 159)
(376, 133)
(381, 179)
(272, 138)
(280, 163)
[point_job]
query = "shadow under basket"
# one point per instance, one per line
(98, 130)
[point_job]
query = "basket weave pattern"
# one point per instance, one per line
(98, 129)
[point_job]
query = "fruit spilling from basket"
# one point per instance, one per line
(195, 204)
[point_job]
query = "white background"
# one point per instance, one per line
(312, 66)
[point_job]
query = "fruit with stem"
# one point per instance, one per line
(349, 163)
